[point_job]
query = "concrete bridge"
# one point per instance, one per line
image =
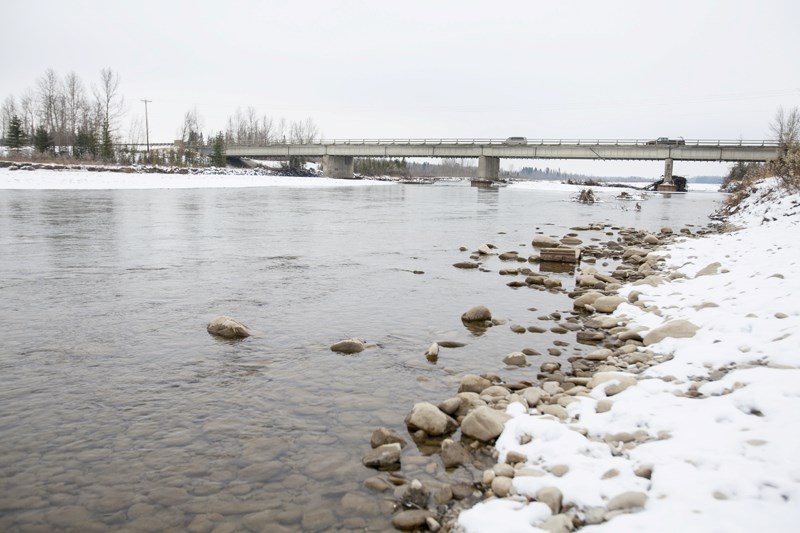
(337, 155)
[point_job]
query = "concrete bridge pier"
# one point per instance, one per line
(488, 168)
(338, 166)
(667, 185)
(668, 170)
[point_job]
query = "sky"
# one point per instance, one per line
(616, 69)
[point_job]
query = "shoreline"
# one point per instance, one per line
(589, 448)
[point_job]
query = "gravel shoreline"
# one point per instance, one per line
(462, 430)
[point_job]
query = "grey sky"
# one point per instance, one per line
(554, 69)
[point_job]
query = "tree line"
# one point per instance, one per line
(62, 116)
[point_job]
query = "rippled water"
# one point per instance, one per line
(119, 412)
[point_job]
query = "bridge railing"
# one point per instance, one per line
(529, 142)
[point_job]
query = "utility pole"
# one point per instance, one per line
(146, 125)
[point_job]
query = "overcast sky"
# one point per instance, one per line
(698, 69)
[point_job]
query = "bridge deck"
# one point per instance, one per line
(689, 150)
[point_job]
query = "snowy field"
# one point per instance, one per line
(721, 420)
(49, 179)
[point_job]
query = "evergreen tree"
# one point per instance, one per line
(15, 137)
(218, 151)
(41, 140)
(106, 144)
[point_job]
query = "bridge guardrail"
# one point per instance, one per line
(531, 142)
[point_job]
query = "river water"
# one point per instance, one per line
(119, 412)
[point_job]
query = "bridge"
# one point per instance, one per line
(338, 154)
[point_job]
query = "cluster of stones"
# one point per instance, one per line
(477, 413)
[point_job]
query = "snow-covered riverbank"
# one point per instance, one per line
(706, 441)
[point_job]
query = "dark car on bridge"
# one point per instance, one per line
(667, 141)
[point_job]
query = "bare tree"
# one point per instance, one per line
(111, 104)
(27, 107)
(48, 100)
(192, 126)
(75, 99)
(7, 112)
(310, 131)
(786, 127)
(266, 129)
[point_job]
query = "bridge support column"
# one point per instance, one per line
(488, 168)
(668, 171)
(338, 166)
(667, 185)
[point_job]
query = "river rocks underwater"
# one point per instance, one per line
(123, 413)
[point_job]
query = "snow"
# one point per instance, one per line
(724, 461)
(49, 179)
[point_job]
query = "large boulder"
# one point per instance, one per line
(484, 423)
(227, 327)
(430, 419)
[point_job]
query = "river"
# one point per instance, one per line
(118, 411)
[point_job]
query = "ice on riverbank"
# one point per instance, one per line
(718, 425)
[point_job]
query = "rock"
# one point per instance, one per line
(552, 283)
(432, 354)
(533, 395)
(348, 346)
(549, 367)
(454, 454)
(228, 328)
(473, 383)
(411, 519)
(378, 484)
(484, 424)
(384, 456)
(674, 328)
(553, 410)
(542, 241)
(466, 264)
(599, 355)
(607, 304)
(709, 270)
(415, 495)
(559, 470)
(383, 436)
(552, 497)
(450, 406)
(501, 486)
(627, 501)
(430, 419)
(612, 382)
(559, 523)
(451, 344)
(478, 313)
(587, 298)
(603, 406)
(509, 256)
(503, 469)
(650, 239)
(432, 524)
(516, 359)
(666, 231)
(318, 519)
(514, 457)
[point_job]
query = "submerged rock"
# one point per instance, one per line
(479, 313)
(227, 327)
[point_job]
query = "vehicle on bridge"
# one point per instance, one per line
(667, 141)
(516, 141)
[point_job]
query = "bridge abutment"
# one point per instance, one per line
(488, 167)
(338, 166)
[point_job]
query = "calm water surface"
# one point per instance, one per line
(119, 412)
